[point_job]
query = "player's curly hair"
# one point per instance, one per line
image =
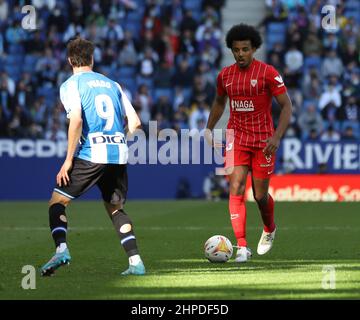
(241, 32)
(80, 52)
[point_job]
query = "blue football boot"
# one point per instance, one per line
(58, 260)
(138, 269)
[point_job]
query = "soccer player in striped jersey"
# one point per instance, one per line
(250, 86)
(97, 109)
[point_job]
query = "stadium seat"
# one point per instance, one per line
(336, 125)
(193, 6)
(273, 38)
(276, 27)
(14, 71)
(127, 71)
(148, 81)
(311, 62)
(136, 16)
(15, 49)
(167, 92)
(130, 84)
(134, 27)
(352, 5)
(15, 60)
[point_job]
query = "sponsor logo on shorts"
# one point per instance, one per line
(268, 158)
(234, 216)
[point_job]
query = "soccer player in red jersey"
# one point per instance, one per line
(250, 85)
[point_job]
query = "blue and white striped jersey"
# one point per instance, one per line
(102, 104)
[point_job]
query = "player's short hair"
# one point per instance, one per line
(242, 32)
(80, 51)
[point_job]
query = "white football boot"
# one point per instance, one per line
(243, 254)
(266, 242)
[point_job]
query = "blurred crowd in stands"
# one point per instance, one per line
(320, 64)
(166, 55)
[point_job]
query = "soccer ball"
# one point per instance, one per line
(218, 249)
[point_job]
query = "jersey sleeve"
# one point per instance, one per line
(275, 83)
(128, 107)
(220, 90)
(70, 98)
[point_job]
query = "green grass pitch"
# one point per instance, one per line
(171, 235)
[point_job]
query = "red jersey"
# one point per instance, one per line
(250, 92)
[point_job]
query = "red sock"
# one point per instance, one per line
(237, 210)
(267, 214)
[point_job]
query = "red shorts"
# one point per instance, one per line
(261, 166)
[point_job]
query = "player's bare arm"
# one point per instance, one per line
(133, 121)
(216, 112)
(74, 134)
(285, 115)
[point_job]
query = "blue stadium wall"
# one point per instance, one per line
(28, 169)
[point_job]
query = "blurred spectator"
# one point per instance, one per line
(144, 101)
(285, 166)
(310, 120)
(330, 95)
(294, 60)
(312, 85)
(275, 12)
(184, 76)
(183, 190)
(181, 119)
(128, 53)
(188, 22)
(348, 134)
(215, 187)
(313, 45)
(199, 116)
(313, 136)
(151, 21)
(4, 11)
(332, 64)
(330, 135)
(350, 111)
(163, 107)
(56, 133)
(147, 63)
(163, 76)
(202, 90)
(8, 83)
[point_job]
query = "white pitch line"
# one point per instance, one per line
(190, 228)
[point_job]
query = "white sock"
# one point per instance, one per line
(61, 248)
(134, 260)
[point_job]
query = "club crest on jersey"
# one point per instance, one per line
(253, 82)
(242, 105)
(268, 158)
